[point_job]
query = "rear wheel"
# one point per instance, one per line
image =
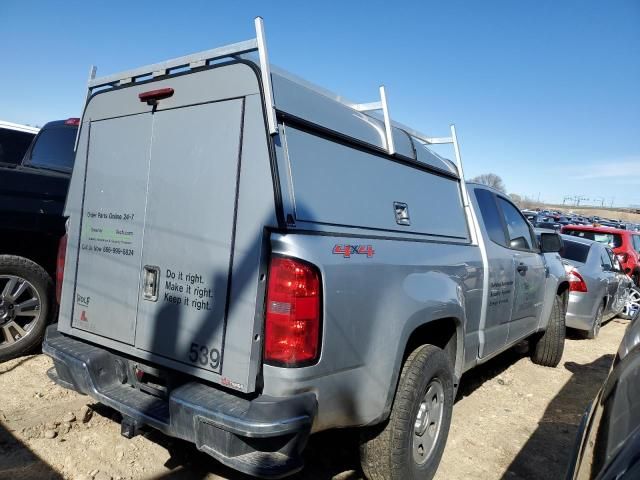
(410, 444)
(631, 303)
(547, 349)
(25, 296)
(597, 323)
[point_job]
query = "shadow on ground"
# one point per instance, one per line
(478, 376)
(18, 462)
(546, 454)
(328, 455)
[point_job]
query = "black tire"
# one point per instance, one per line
(547, 349)
(597, 323)
(387, 452)
(40, 283)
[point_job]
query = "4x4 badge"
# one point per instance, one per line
(347, 250)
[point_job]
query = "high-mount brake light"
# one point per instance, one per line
(292, 324)
(576, 282)
(62, 253)
(152, 96)
(72, 121)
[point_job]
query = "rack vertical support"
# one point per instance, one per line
(265, 71)
(92, 75)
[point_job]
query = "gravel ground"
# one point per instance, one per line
(512, 420)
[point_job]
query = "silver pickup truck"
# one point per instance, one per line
(251, 259)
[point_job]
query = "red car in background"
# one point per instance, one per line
(625, 244)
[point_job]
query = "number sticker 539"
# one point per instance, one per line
(203, 355)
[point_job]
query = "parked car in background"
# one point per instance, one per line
(32, 195)
(14, 142)
(547, 222)
(624, 243)
(608, 439)
(598, 287)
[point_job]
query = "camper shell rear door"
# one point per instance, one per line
(153, 208)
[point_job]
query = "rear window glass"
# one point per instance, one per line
(54, 148)
(13, 145)
(636, 242)
(578, 252)
(613, 240)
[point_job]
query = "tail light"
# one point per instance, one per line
(72, 121)
(292, 324)
(576, 282)
(62, 253)
(623, 257)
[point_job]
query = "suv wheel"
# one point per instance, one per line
(547, 349)
(25, 296)
(410, 444)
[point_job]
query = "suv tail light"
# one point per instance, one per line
(576, 282)
(292, 324)
(62, 253)
(623, 257)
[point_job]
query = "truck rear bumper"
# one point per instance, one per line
(263, 436)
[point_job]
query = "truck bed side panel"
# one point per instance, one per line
(371, 306)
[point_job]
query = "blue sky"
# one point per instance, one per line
(544, 93)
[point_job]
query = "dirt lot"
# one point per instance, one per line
(512, 420)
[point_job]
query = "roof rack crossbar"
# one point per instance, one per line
(380, 105)
(186, 61)
(201, 59)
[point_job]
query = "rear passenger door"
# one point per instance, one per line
(529, 268)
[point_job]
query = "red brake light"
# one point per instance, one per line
(576, 282)
(62, 253)
(292, 324)
(152, 96)
(72, 121)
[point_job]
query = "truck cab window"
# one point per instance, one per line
(53, 148)
(491, 216)
(519, 232)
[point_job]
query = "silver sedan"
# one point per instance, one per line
(599, 289)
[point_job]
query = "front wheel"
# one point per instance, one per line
(547, 349)
(410, 444)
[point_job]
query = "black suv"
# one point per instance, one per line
(32, 197)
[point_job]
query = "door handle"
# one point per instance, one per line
(522, 268)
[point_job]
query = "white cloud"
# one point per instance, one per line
(627, 168)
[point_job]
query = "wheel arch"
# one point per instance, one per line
(38, 247)
(446, 332)
(563, 291)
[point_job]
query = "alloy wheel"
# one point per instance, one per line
(20, 309)
(631, 303)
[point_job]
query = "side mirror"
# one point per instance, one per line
(550, 242)
(519, 243)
